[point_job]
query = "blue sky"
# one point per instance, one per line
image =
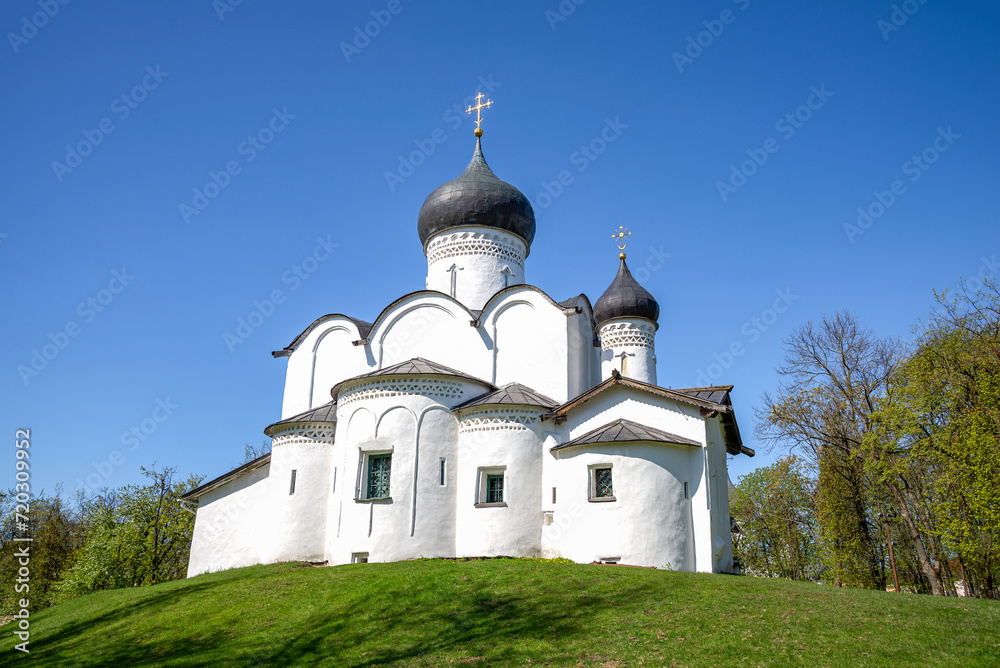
(735, 139)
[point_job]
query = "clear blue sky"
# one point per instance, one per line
(196, 86)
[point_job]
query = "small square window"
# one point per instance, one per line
(379, 467)
(490, 487)
(601, 486)
(359, 558)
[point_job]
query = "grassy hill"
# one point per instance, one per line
(504, 613)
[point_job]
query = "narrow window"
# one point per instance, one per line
(685, 489)
(291, 485)
(602, 483)
(553, 495)
(442, 471)
(378, 476)
(334, 488)
(494, 488)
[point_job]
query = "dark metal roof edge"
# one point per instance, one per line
(669, 438)
(362, 326)
(446, 371)
(617, 379)
(280, 425)
(201, 490)
(475, 401)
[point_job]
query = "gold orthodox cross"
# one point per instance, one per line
(621, 239)
(479, 112)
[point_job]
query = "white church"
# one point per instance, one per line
(479, 417)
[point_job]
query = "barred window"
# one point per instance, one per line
(494, 488)
(602, 483)
(378, 476)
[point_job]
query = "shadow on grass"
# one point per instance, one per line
(352, 619)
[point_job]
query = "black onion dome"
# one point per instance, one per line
(477, 197)
(625, 298)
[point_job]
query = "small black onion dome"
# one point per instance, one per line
(625, 298)
(477, 197)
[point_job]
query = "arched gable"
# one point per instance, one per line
(530, 334)
(318, 359)
(430, 325)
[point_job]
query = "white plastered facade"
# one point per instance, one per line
(487, 329)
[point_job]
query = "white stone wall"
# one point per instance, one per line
(718, 481)
(222, 537)
(473, 263)
(651, 524)
(523, 336)
(499, 439)
(324, 358)
(411, 419)
(633, 337)
(299, 518)
(530, 338)
(648, 524)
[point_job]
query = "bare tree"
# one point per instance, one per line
(833, 375)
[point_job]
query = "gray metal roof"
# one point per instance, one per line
(476, 197)
(717, 393)
(325, 413)
(364, 327)
(626, 431)
(417, 366)
(195, 493)
(512, 394)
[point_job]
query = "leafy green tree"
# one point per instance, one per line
(54, 530)
(775, 511)
(137, 535)
(937, 439)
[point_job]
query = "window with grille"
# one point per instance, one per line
(602, 483)
(490, 487)
(601, 487)
(378, 476)
(494, 488)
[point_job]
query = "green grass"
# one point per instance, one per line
(504, 613)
